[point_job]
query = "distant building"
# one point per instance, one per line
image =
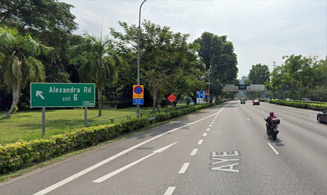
(243, 79)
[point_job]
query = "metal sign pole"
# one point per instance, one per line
(43, 121)
(85, 117)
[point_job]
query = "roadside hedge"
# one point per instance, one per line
(22, 154)
(319, 106)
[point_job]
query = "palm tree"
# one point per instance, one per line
(18, 63)
(98, 63)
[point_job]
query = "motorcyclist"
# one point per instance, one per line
(269, 121)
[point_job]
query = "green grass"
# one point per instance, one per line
(27, 125)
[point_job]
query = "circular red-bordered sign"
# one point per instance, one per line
(138, 90)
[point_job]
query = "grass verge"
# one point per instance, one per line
(27, 125)
(75, 153)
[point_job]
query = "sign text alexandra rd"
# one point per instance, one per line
(62, 95)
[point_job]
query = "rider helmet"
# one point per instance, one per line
(271, 113)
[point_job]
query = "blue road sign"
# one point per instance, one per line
(138, 101)
(200, 94)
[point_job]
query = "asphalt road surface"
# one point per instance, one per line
(219, 150)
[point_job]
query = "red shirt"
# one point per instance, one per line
(270, 118)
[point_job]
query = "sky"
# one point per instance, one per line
(262, 31)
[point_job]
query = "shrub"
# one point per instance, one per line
(319, 106)
(26, 153)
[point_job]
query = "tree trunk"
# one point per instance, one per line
(194, 98)
(155, 90)
(15, 100)
(100, 101)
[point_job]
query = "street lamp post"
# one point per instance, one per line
(138, 56)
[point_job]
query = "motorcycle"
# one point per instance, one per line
(272, 128)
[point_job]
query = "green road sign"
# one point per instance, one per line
(62, 95)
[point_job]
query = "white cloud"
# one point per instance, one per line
(261, 31)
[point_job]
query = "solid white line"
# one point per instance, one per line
(205, 134)
(194, 152)
(83, 172)
(273, 148)
(105, 177)
(208, 129)
(170, 191)
(200, 142)
(184, 168)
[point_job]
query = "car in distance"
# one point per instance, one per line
(242, 101)
(306, 100)
(256, 102)
(322, 117)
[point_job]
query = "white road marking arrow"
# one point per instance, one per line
(105, 177)
(39, 93)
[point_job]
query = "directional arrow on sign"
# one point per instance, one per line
(101, 179)
(39, 94)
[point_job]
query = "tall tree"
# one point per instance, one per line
(259, 74)
(18, 62)
(50, 22)
(41, 15)
(166, 58)
(218, 55)
(98, 63)
(297, 76)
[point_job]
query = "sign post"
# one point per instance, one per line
(43, 121)
(62, 95)
(200, 95)
(44, 95)
(138, 97)
(208, 95)
(172, 98)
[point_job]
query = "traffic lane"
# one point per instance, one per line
(40, 179)
(308, 117)
(259, 167)
(286, 114)
(303, 150)
(147, 177)
(306, 155)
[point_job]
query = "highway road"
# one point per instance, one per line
(219, 150)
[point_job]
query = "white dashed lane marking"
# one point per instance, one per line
(194, 152)
(170, 191)
(184, 168)
(273, 148)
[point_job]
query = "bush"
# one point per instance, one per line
(26, 153)
(319, 106)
